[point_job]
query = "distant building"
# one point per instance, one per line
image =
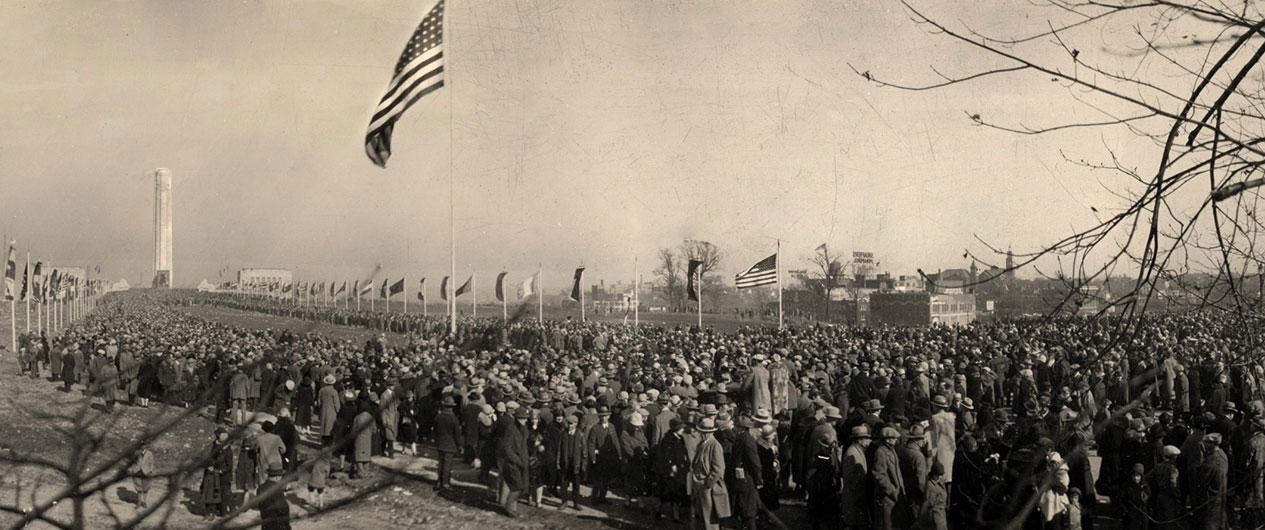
(921, 308)
(263, 277)
(950, 281)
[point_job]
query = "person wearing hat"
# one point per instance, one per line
(217, 476)
(270, 449)
(635, 457)
(1208, 485)
(447, 432)
(604, 454)
(671, 468)
(566, 452)
(933, 512)
(914, 467)
(942, 437)
(854, 477)
(512, 461)
(889, 483)
(743, 472)
(709, 495)
(822, 482)
(329, 404)
(1164, 480)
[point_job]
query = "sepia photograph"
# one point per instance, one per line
(632, 264)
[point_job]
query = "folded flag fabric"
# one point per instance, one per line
(396, 288)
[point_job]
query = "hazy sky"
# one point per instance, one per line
(583, 131)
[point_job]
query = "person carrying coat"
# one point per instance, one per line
(709, 497)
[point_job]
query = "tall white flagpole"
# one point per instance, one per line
(405, 293)
(580, 284)
(505, 308)
(540, 293)
(779, 284)
(474, 295)
(636, 292)
(452, 204)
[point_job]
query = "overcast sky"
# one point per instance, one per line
(584, 131)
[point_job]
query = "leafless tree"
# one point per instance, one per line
(827, 276)
(709, 256)
(669, 272)
(1141, 66)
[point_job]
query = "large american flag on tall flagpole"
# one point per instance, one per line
(762, 273)
(419, 72)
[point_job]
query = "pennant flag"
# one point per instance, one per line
(575, 285)
(528, 287)
(465, 288)
(419, 72)
(691, 287)
(762, 273)
(98, 269)
(421, 290)
(500, 287)
(443, 289)
(368, 288)
(55, 285)
(396, 288)
(821, 247)
(289, 286)
(382, 292)
(341, 288)
(26, 283)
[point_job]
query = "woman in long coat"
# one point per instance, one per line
(304, 398)
(708, 494)
(217, 477)
(330, 403)
(69, 369)
(633, 445)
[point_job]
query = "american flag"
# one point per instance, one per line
(762, 273)
(419, 72)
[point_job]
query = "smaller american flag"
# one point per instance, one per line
(762, 273)
(419, 72)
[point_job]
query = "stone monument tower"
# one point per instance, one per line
(162, 228)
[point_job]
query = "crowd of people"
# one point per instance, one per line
(940, 427)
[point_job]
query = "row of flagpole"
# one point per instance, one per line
(304, 293)
(59, 298)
